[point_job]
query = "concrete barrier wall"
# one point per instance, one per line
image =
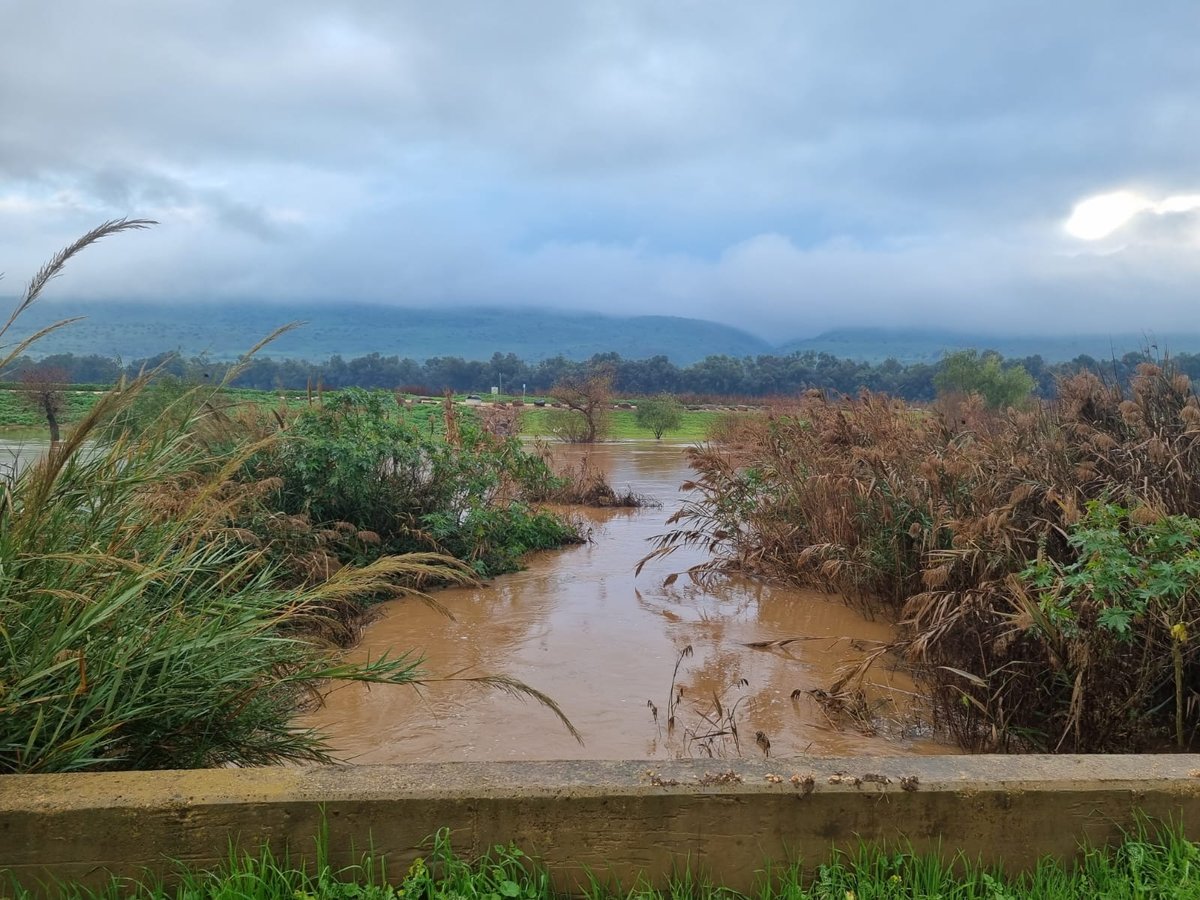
(618, 818)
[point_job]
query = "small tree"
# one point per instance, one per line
(588, 398)
(42, 387)
(660, 414)
(969, 372)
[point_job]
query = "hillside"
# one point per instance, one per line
(916, 345)
(224, 331)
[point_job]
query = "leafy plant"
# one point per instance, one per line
(353, 460)
(1137, 582)
(970, 372)
(660, 414)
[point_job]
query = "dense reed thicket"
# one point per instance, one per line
(174, 586)
(1045, 564)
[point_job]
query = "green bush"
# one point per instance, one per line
(969, 372)
(143, 625)
(355, 460)
(660, 414)
(1116, 621)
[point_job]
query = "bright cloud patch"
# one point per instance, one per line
(1099, 216)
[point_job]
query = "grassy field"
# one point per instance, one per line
(20, 421)
(16, 412)
(1163, 867)
(535, 423)
(624, 427)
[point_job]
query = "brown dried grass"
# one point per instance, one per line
(928, 514)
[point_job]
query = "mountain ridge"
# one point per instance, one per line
(225, 330)
(930, 345)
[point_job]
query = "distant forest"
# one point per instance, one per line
(758, 376)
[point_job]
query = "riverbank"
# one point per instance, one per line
(243, 554)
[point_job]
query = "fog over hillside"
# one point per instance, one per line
(225, 331)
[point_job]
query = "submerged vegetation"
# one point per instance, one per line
(178, 574)
(1045, 562)
(585, 484)
(1145, 865)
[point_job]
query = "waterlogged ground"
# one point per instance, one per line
(19, 448)
(578, 625)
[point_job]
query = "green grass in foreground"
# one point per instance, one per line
(1165, 865)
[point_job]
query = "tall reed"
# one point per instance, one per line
(939, 517)
(141, 624)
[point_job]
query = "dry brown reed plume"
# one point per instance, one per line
(52, 270)
(514, 688)
(932, 518)
(500, 421)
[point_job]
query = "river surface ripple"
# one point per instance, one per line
(577, 625)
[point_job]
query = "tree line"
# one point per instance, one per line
(727, 376)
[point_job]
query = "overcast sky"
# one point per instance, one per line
(783, 166)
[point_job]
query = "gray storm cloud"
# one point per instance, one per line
(786, 167)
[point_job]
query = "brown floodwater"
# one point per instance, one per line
(579, 626)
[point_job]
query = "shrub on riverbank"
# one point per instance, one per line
(976, 532)
(351, 464)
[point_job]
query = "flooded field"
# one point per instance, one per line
(16, 452)
(579, 626)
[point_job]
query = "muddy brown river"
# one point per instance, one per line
(604, 644)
